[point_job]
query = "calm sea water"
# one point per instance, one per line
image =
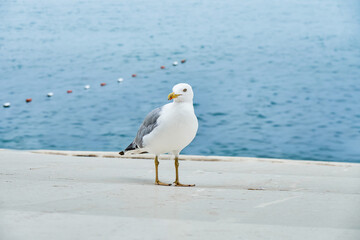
(278, 79)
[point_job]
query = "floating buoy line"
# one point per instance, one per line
(86, 87)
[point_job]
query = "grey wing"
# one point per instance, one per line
(150, 122)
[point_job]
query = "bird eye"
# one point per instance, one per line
(184, 90)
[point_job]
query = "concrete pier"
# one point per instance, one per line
(99, 195)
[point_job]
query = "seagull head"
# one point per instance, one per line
(182, 92)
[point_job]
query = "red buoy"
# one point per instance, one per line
(69, 91)
(103, 84)
(162, 67)
(183, 61)
(28, 100)
(134, 75)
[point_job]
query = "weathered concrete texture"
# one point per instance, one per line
(66, 197)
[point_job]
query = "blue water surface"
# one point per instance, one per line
(277, 79)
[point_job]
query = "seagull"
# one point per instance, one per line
(168, 129)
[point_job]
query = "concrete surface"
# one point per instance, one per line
(52, 196)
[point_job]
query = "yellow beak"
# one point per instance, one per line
(173, 95)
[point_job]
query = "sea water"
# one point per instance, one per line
(277, 79)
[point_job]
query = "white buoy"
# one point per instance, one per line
(50, 94)
(175, 63)
(6, 105)
(120, 80)
(87, 87)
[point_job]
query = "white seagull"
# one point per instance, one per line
(168, 129)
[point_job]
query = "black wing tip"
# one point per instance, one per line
(132, 146)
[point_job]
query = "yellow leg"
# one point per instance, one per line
(177, 183)
(157, 182)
